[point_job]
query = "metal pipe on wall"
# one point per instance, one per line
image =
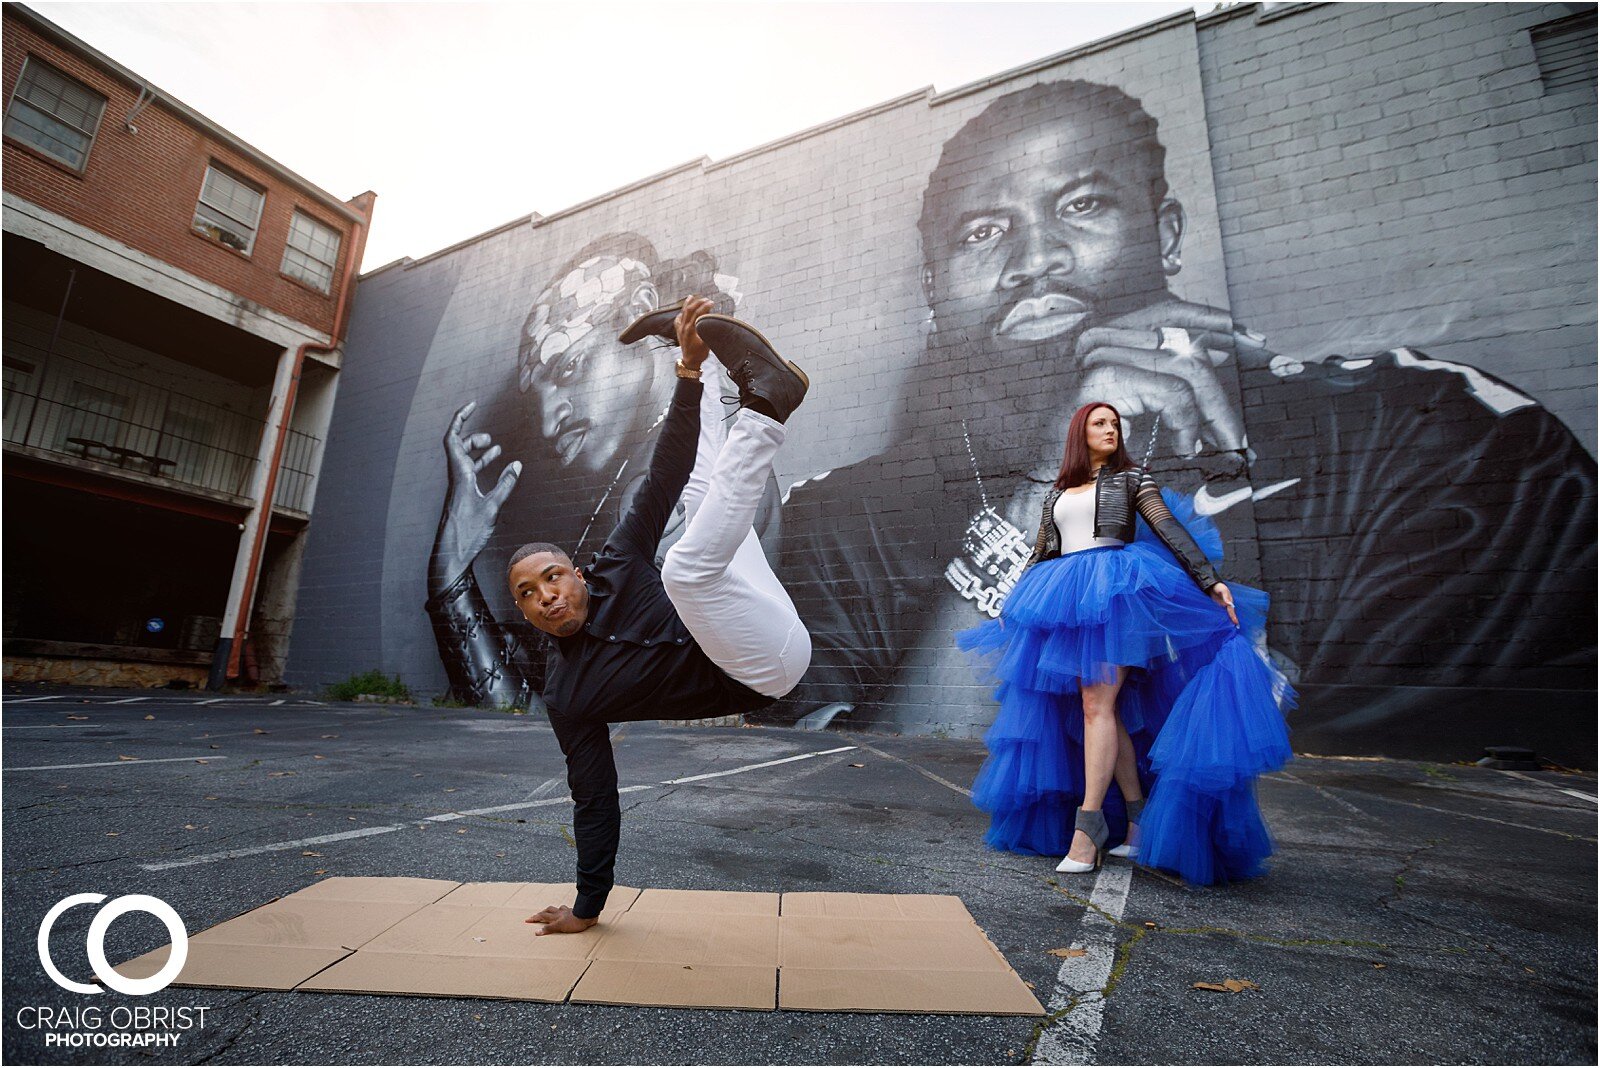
(226, 660)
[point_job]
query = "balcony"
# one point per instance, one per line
(89, 416)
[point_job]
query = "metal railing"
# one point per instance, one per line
(296, 471)
(180, 439)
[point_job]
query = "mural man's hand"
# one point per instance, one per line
(469, 515)
(1126, 365)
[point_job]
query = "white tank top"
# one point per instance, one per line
(1074, 515)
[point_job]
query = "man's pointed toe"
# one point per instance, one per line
(657, 323)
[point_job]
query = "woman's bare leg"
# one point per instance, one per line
(1127, 776)
(1100, 751)
(1127, 770)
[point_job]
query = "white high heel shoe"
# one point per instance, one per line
(1092, 824)
(1130, 848)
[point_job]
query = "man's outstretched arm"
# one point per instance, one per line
(671, 462)
(672, 459)
(596, 827)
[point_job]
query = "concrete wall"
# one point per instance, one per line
(1399, 454)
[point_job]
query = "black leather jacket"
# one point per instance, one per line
(1119, 498)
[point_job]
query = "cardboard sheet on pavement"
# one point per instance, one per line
(688, 948)
(893, 965)
(475, 942)
(682, 948)
(289, 939)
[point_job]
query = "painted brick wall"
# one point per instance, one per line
(339, 618)
(1394, 174)
(1421, 300)
(141, 189)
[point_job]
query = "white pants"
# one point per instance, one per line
(716, 575)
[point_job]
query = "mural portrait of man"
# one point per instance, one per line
(1418, 522)
(578, 420)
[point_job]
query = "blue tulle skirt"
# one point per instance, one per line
(1202, 705)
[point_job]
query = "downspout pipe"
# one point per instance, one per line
(226, 661)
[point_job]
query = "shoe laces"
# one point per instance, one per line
(734, 403)
(741, 377)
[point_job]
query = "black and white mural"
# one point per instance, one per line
(958, 278)
(1418, 522)
(579, 423)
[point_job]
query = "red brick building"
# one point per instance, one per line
(173, 306)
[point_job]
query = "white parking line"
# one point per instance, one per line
(920, 770)
(321, 839)
(124, 701)
(1071, 1039)
(445, 817)
(41, 727)
(31, 700)
(212, 701)
(753, 767)
(1327, 795)
(208, 757)
(1591, 798)
(1491, 819)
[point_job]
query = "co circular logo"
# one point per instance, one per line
(97, 943)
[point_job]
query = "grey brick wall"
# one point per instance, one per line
(339, 614)
(1393, 174)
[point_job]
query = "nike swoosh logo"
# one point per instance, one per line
(1207, 504)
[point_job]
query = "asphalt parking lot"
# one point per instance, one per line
(1415, 912)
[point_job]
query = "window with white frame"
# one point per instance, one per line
(229, 209)
(54, 114)
(312, 252)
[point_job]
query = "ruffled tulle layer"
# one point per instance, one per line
(1201, 706)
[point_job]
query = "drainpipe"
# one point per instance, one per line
(225, 662)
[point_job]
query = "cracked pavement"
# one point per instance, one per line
(1415, 913)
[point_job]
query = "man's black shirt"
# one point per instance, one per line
(633, 659)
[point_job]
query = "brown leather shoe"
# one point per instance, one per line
(755, 366)
(656, 323)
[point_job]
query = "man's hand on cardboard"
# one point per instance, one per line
(558, 919)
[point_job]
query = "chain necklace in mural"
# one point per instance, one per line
(994, 551)
(609, 489)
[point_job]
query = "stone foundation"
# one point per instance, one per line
(713, 721)
(117, 673)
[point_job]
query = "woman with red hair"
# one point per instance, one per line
(1128, 669)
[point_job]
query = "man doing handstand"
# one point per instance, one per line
(712, 632)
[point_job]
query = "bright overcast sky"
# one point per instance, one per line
(465, 116)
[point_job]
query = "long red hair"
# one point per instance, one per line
(1075, 461)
